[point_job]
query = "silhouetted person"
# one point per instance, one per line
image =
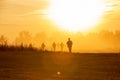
(43, 47)
(69, 44)
(30, 46)
(54, 46)
(61, 46)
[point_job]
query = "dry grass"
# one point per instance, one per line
(31, 65)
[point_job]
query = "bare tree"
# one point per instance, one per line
(39, 38)
(3, 40)
(24, 37)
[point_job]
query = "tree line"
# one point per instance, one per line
(103, 40)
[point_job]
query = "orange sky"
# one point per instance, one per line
(19, 15)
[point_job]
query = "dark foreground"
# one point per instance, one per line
(44, 66)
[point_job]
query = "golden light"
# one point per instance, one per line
(58, 73)
(76, 15)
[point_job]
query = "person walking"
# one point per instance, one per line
(54, 46)
(43, 47)
(69, 45)
(62, 46)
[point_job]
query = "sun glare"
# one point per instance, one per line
(76, 15)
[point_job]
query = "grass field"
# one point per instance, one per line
(45, 66)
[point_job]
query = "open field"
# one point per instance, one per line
(44, 66)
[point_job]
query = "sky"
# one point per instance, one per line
(22, 15)
(17, 15)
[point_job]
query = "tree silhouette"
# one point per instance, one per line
(39, 38)
(3, 40)
(24, 38)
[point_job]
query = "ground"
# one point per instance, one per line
(32, 65)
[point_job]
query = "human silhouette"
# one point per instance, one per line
(61, 46)
(43, 47)
(54, 46)
(69, 45)
(30, 45)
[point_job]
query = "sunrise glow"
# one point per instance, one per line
(76, 15)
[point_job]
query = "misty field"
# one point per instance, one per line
(26, 65)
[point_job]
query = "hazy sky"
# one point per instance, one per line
(19, 15)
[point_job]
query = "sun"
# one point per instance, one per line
(76, 15)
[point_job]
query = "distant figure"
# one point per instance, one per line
(69, 45)
(54, 46)
(30, 46)
(43, 47)
(61, 45)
